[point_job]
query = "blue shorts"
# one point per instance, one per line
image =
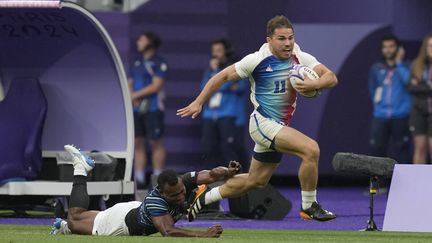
(149, 124)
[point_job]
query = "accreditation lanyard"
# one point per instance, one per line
(389, 77)
(388, 81)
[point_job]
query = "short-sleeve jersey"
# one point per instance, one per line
(271, 92)
(142, 72)
(139, 220)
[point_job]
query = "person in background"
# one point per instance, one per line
(147, 77)
(388, 91)
(420, 87)
(221, 112)
(240, 122)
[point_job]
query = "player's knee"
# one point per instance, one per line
(74, 214)
(255, 184)
(139, 143)
(71, 224)
(312, 152)
(421, 147)
(156, 144)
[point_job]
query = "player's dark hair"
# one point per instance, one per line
(276, 22)
(169, 177)
(391, 37)
(229, 49)
(154, 39)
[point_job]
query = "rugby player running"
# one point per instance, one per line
(274, 100)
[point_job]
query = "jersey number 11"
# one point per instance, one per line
(280, 87)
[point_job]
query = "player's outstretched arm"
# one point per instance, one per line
(165, 225)
(194, 108)
(219, 173)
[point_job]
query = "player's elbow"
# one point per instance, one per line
(156, 88)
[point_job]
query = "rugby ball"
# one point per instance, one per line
(297, 74)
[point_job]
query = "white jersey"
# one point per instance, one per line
(271, 93)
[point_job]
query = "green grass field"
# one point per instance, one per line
(35, 234)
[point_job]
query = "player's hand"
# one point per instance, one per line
(307, 85)
(214, 64)
(136, 102)
(234, 168)
(235, 87)
(135, 96)
(193, 109)
(400, 54)
(214, 231)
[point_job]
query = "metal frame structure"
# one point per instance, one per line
(125, 186)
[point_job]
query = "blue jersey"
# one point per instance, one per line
(142, 74)
(224, 103)
(155, 205)
(388, 90)
(241, 103)
(271, 92)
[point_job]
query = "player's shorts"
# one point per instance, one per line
(263, 132)
(112, 220)
(420, 122)
(149, 124)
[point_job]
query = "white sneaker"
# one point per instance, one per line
(60, 227)
(79, 159)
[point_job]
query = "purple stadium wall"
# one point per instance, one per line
(337, 32)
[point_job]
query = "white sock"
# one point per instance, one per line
(66, 230)
(212, 196)
(140, 176)
(308, 197)
(79, 170)
(157, 172)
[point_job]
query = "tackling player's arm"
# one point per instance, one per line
(165, 225)
(327, 80)
(219, 173)
(194, 108)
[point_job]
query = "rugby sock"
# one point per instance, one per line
(140, 176)
(66, 230)
(157, 172)
(79, 197)
(212, 196)
(308, 197)
(79, 170)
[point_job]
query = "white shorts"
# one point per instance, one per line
(263, 131)
(112, 220)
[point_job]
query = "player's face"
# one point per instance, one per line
(389, 49)
(429, 48)
(175, 194)
(142, 43)
(282, 42)
(218, 51)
